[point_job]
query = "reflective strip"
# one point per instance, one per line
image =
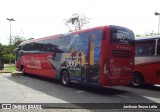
(147, 59)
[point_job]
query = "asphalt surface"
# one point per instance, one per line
(21, 89)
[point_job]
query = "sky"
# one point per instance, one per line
(41, 18)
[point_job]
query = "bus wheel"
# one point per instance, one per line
(137, 80)
(65, 78)
(23, 72)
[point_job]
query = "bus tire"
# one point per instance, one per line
(23, 72)
(137, 80)
(65, 78)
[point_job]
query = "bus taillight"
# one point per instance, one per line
(106, 70)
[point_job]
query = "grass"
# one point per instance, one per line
(9, 68)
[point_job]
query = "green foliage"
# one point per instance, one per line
(6, 51)
(9, 68)
(146, 34)
(7, 58)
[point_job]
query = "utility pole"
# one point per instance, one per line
(158, 14)
(10, 39)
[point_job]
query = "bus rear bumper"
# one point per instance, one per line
(116, 81)
(119, 81)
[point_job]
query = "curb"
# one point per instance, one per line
(12, 73)
(4, 72)
(16, 73)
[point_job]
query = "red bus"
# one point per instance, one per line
(100, 56)
(147, 61)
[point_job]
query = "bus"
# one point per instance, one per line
(99, 56)
(147, 61)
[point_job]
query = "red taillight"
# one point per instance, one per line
(106, 69)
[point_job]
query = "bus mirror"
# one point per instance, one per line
(15, 50)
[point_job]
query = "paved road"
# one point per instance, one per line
(28, 89)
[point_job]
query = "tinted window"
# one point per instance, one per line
(121, 35)
(158, 47)
(51, 45)
(26, 47)
(34, 46)
(145, 47)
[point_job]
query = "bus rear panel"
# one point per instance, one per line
(117, 56)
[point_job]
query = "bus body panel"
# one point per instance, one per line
(85, 54)
(83, 60)
(149, 67)
(38, 64)
(104, 55)
(147, 59)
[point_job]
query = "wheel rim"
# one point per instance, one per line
(23, 71)
(136, 81)
(65, 78)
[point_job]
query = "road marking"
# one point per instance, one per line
(157, 85)
(81, 92)
(123, 96)
(157, 100)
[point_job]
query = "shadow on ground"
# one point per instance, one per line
(75, 94)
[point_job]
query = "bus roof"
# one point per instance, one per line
(148, 37)
(69, 33)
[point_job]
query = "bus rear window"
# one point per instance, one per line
(121, 35)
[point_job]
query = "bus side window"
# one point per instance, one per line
(150, 50)
(158, 47)
(145, 48)
(139, 51)
(25, 47)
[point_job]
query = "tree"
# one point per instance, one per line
(1, 52)
(77, 20)
(146, 34)
(17, 40)
(6, 51)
